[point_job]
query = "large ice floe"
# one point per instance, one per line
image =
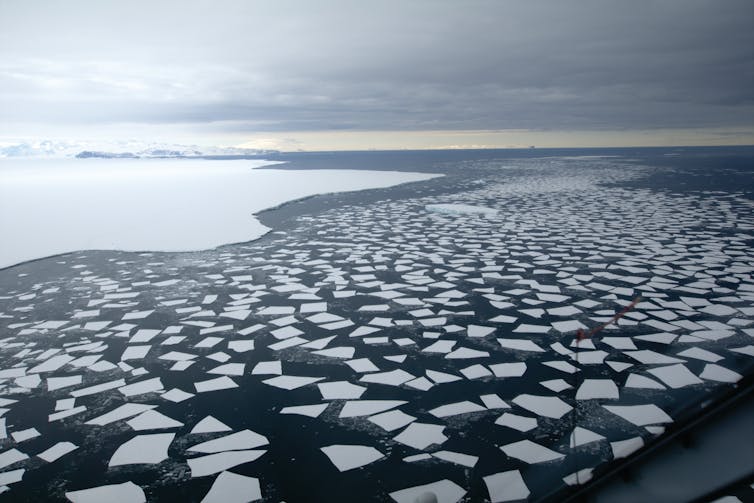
(381, 350)
(152, 204)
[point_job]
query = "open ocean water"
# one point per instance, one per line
(446, 337)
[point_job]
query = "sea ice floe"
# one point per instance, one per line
(215, 463)
(530, 452)
(231, 487)
(348, 457)
(506, 486)
(444, 490)
(143, 449)
(127, 492)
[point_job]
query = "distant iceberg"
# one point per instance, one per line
(461, 209)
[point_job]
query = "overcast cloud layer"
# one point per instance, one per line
(388, 65)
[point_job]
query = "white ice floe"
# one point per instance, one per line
(421, 435)
(356, 408)
(640, 415)
(209, 425)
(291, 382)
(215, 463)
(444, 490)
(216, 384)
(515, 369)
(229, 194)
(57, 451)
(348, 457)
(597, 388)
(231, 487)
(675, 376)
(460, 209)
(340, 390)
(581, 436)
(520, 423)
(714, 372)
(127, 492)
(530, 452)
(624, 448)
(453, 409)
(458, 458)
(392, 420)
(143, 449)
(242, 440)
(305, 410)
(506, 486)
(548, 406)
(153, 420)
(122, 412)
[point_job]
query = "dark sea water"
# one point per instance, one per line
(590, 229)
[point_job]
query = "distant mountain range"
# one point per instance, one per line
(120, 150)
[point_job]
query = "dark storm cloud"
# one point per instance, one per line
(382, 65)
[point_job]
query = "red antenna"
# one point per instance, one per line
(581, 335)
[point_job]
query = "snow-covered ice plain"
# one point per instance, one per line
(53, 206)
(373, 349)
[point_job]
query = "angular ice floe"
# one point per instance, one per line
(305, 410)
(444, 490)
(98, 388)
(460, 209)
(127, 492)
(675, 376)
(581, 436)
(122, 412)
(348, 457)
(356, 408)
(392, 420)
(57, 451)
(515, 369)
(640, 415)
(597, 388)
(421, 435)
(624, 448)
(242, 440)
(520, 345)
(456, 457)
(215, 463)
(21, 435)
(291, 382)
(520, 423)
(338, 390)
(11, 456)
(453, 409)
(714, 372)
(393, 378)
(209, 425)
(506, 486)
(493, 401)
(143, 449)
(216, 384)
(642, 382)
(230, 487)
(530, 452)
(176, 395)
(548, 406)
(153, 420)
(139, 388)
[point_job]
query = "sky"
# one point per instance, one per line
(345, 75)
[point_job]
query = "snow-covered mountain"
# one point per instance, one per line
(119, 149)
